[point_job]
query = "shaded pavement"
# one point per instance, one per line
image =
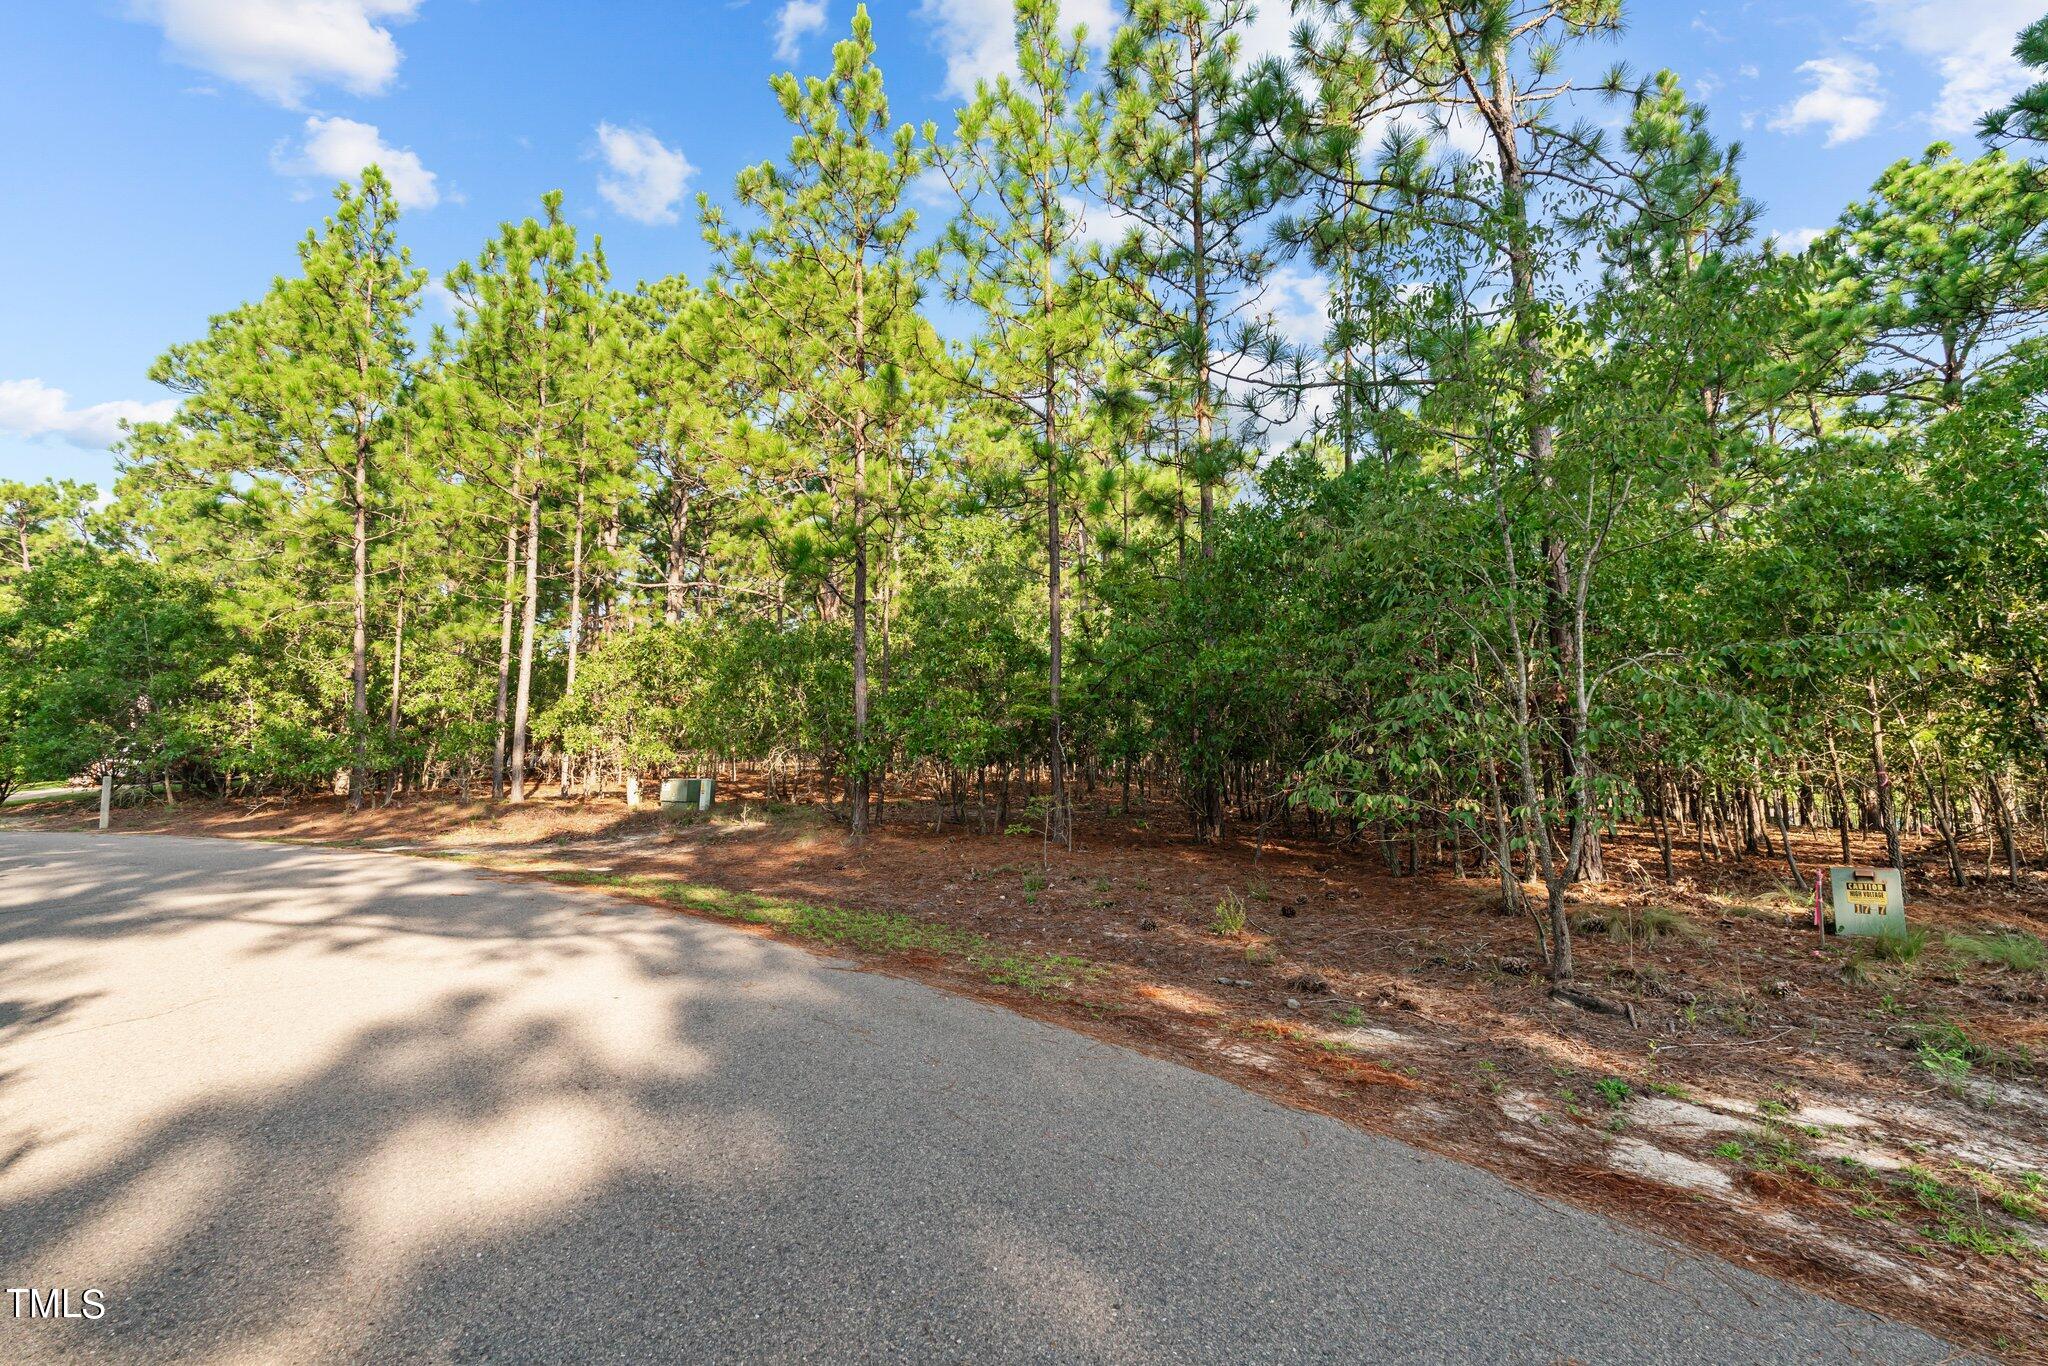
(292, 1104)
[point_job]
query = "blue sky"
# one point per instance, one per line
(165, 156)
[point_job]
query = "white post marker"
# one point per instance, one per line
(106, 797)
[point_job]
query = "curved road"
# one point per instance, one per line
(284, 1104)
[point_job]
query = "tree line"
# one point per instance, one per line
(983, 463)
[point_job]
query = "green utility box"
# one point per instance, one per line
(1868, 901)
(687, 794)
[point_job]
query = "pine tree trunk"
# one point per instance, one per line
(575, 615)
(1058, 828)
(859, 776)
(1841, 799)
(397, 665)
(2002, 812)
(498, 715)
(1883, 775)
(359, 660)
(678, 558)
(522, 707)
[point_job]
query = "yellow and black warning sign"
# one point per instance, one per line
(1868, 900)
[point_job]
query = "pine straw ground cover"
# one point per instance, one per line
(1871, 1124)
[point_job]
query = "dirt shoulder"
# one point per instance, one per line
(1875, 1128)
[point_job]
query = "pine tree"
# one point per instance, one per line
(299, 390)
(523, 333)
(827, 293)
(1193, 180)
(1027, 158)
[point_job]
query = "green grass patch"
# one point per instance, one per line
(1894, 948)
(1947, 1050)
(2013, 950)
(1037, 974)
(1649, 924)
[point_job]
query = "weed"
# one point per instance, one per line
(1975, 1237)
(1927, 1191)
(1033, 974)
(1230, 917)
(1950, 1066)
(1650, 924)
(1670, 1090)
(1730, 1151)
(2013, 950)
(1102, 884)
(1352, 1018)
(1261, 955)
(1034, 883)
(1613, 1090)
(2021, 1199)
(1895, 948)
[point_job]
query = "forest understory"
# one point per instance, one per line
(1868, 1120)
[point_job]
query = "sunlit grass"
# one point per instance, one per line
(2014, 950)
(1036, 974)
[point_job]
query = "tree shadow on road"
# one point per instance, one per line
(379, 1109)
(555, 1147)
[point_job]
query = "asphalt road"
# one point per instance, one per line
(280, 1104)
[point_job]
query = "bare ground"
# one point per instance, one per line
(1876, 1130)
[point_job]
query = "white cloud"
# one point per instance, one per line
(339, 149)
(282, 48)
(932, 190)
(1969, 45)
(1096, 223)
(647, 178)
(1793, 241)
(1268, 33)
(444, 299)
(1844, 99)
(1299, 305)
(32, 409)
(978, 38)
(793, 22)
